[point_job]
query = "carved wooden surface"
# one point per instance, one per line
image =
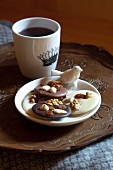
(19, 133)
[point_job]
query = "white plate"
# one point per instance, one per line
(80, 85)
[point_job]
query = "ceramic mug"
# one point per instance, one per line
(36, 55)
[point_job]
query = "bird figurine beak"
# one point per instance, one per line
(78, 68)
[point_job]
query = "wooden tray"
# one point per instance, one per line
(17, 132)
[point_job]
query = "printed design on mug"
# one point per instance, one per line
(49, 57)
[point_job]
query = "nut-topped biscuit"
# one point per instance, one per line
(51, 111)
(52, 89)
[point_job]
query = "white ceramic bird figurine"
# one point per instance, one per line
(68, 76)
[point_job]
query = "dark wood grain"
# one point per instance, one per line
(17, 132)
